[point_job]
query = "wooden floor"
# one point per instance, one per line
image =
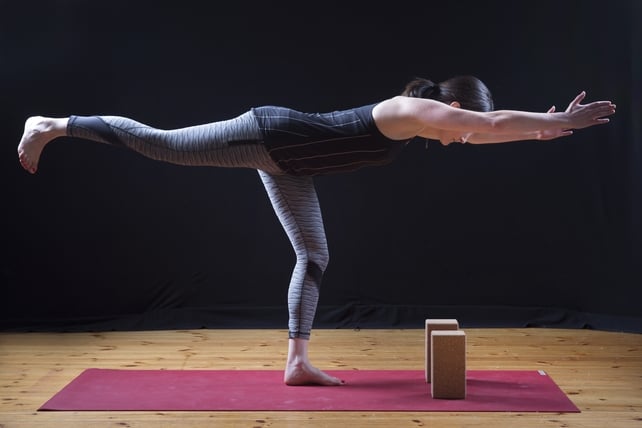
(600, 371)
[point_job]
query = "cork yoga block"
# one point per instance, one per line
(436, 324)
(448, 364)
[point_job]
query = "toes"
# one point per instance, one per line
(336, 382)
(27, 165)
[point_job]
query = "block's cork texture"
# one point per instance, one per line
(448, 364)
(436, 324)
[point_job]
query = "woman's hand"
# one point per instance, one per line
(585, 115)
(581, 116)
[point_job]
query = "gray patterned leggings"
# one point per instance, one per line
(235, 143)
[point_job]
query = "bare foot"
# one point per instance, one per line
(306, 374)
(38, 132)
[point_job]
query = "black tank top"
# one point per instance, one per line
(324, 143)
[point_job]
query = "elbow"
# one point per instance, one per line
(496, 124)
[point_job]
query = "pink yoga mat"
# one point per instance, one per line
(263, 390)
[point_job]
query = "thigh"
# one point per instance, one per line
(296, 204)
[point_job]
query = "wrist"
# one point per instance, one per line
(567, 120)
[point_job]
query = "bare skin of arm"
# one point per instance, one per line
(402, 118)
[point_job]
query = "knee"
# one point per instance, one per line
(315, 272)
(321, 258)
(315, 263)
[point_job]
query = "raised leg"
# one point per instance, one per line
(233, 143)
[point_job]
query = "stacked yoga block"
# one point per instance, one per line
(445, 358)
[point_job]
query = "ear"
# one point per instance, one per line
(455, 104)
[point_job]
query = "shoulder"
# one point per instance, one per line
(400, 117)
(408, 107)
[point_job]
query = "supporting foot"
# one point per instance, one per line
(299, 371)
(306, 374)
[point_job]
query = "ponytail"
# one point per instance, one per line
(470, 92)
(421, 88)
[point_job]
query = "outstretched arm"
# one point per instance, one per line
(479, 138)
(600, 109)
(404, 117)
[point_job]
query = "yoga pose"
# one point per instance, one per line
(288, 148)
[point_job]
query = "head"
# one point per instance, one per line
(466, 92)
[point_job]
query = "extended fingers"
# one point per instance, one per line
(601, 104)
(578, 99)
(600, 112)
(603, 108)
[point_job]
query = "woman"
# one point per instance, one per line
(288, 148)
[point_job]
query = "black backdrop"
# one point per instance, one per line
(529, 233)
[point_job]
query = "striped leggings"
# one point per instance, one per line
(235, 143)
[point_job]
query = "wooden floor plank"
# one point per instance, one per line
(600, 371)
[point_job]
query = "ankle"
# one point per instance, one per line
(297, 352)
(57, 127)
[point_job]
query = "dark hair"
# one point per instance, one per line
(468, 91)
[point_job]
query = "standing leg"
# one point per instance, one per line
(296, 205)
